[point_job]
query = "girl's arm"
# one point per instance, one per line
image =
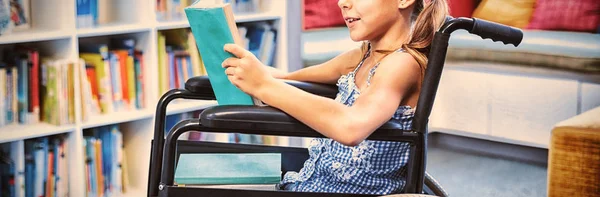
(348, 125)
(328, 72)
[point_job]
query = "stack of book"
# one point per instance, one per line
(37, 167)
(92, 12)
(260, 38)
(112, 79)
(34, 89)
(178, 59)
(105, 166)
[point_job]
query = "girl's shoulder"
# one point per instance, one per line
(400, 64)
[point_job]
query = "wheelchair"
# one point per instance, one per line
(265, 120)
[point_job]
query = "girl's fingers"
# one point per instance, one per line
(229, 62)
(230, 71)
(236, 50)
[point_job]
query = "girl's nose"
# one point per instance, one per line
(344, 4)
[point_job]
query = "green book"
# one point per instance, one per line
(226, 168)
(213, 26)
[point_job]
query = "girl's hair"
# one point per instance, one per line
(426, 19)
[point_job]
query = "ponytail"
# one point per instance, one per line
(426, 20)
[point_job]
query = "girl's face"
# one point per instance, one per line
(369, 19)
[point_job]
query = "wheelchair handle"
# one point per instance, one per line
(484, 29)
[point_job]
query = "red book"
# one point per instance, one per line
(123, 55)
(176, 71)
(35, 82)
(91, 75)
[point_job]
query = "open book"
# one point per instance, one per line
(213, 26)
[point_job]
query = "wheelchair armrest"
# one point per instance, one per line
(201, 85)
(266, 120)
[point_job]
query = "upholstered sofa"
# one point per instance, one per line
(493, 91)
(574, 156)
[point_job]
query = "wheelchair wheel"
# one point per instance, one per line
(432, 187)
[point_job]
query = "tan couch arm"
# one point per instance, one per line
(574, 156)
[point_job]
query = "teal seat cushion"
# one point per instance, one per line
(321, 45)
(552, 49)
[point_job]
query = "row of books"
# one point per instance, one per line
(170, 10)
(112, 79)
(260, 38)
(92, 12)
(105, 163)
(178, 59)
(14, 15)
(34, 88)
(33, 168)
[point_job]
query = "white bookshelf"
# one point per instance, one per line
(54, 32)
(18, 132)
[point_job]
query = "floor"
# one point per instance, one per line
(467, 173)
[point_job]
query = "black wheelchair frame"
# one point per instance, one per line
(271, 121)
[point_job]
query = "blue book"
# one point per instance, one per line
(213, 26)
(190, 70)
(115, 80)
(171, 65)
(214, 169)
(94, 11)
(181, 79)
(22, 90)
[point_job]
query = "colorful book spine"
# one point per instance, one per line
(35, 85)
(115, 73)
(23, 89)
(131, 81)
(139, 76)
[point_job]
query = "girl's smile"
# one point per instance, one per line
(351, 21)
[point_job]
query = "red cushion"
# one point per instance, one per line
(570, 15)
(461, 8)
(322, 13)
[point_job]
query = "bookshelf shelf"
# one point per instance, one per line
(128, 116)
(33, 35)
(116, 118)
(242, 18)
(21, 132)
(112, 29)
(172, 25)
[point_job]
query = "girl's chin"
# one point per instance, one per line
(355, 36)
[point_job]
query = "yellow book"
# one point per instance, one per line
(163, 79)
(71, 91)
(103, 77)
(197, 65)
(131, 82)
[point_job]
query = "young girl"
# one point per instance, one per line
(378, 82)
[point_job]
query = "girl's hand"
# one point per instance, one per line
(245, 71)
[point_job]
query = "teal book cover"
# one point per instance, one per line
(213, 26)
(228, 168)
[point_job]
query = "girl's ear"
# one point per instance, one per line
(403, 4)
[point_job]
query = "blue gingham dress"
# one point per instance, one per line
(371, 167)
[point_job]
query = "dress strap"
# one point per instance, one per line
(367, 54)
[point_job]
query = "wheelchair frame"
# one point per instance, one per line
(163, 152)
